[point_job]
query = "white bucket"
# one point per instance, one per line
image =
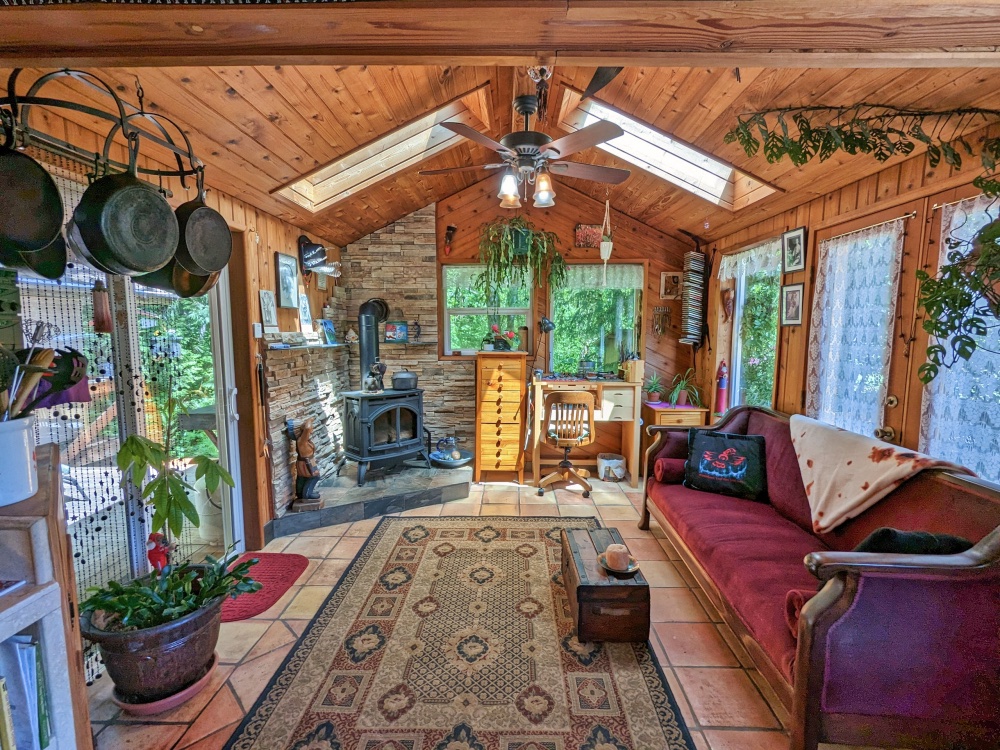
(18, 471)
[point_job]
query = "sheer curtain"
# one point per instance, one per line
(761, 258)
(960, 418)
(850, 338)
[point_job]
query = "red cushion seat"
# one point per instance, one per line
(752, 553)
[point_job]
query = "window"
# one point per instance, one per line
(595, 316)
(850, 339)
(960, 421)
(668, 158)
(756, 273)
(468, 314)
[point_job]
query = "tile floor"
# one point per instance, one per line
(725, 703)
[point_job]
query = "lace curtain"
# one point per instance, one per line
(850, 338)
(960, 417)
(765, 257)
(588, 276)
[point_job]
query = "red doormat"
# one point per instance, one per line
(276, 571)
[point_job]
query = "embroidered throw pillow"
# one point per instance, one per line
(727, 464)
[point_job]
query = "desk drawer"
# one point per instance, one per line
(624, 397)
(510, 391)
(495, 367)
(504, 407)
(691, 418)
(616, 413)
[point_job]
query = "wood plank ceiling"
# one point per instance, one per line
(259, 127)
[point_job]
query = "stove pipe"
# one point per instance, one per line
(367, 342)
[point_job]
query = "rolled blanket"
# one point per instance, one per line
(795, 600)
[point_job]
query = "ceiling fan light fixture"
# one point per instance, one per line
(545, 192)
(508, 194)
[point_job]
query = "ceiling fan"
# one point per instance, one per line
(529, 156)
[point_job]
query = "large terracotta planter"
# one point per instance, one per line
(155, 663)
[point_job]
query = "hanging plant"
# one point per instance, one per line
(514, 252)
(961, 301)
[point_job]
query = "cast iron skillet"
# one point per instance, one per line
(31, 210)
(174, 278)
(126, 225)
(74, 241)
(205, 241)
(48, 263)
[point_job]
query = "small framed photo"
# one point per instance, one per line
(793, 250)
(321, 281)
(792, 304)
(305, 312)
(670, 284)
(587, 235)
(329, 332)
(268, 311)
(288, 280)
(397, 331)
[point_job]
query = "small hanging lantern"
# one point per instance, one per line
(606, 241)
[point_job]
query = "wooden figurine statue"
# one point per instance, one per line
(306, 471)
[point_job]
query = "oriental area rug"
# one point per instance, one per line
(455, 634)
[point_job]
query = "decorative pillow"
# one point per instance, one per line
(726, 464)
(894, 541)
(795, 600)
(669, 470)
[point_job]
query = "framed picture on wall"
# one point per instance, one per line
(398, 331)
(305, 313)
(670, 284)
(321, 281)
(792, 303)
(587, 235)
(793, 250)
(268, 311)
(288, 280)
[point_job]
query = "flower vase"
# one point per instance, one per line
(18, 471)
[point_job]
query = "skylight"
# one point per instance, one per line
(666, 157)
(407, 145)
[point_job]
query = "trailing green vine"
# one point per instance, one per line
(962, 297)
(515, 254)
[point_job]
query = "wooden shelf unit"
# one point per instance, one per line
(37, 548)
(501, 397)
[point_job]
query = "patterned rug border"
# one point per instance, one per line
(279, 681)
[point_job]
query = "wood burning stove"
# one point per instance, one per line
(383, 428)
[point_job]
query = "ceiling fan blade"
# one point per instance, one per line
(602, 77)
(474, 135)
(450, 170)
(609, 175)
(582, 139)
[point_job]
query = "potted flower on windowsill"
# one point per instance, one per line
(157, 634)
(683, 391)
(653, 389)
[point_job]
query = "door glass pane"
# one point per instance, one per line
(960, 421)
(857, 277)
(756, 339)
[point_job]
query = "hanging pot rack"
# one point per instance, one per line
(15, 109)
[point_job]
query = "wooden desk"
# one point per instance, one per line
(617, 401)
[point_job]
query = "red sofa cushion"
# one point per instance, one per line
(784, 480)
(751, 552)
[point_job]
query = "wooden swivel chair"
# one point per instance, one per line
(568, 424)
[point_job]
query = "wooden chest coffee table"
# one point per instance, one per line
(605, 607)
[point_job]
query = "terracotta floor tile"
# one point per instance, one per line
(215, 741)
(549, 509)
(725, 698)
(618, 513)
(645, 549)
(725, 739)
(530, 496)
(734, 645)
(327, 531)
(461, 509)
(498, 509)
(694, 644)
(630, 530)
(710, 609)
(237, 638)
(311, 565)
(662, 573)
(682, 702)
(298, 626)
(675, 605)
(771, 697)
(348, 547)
(363, 528)
(609, 498)
(328, 572)
(577, 510)
(222, 711)
(506, 497)
(686, 574)
(279, 544)
(99, 700)
(139, 736)
(669, 548)
(571, 498)
(272, 612)
(700, 742)
(312, 546)
(431, 511)
(607, 488)
(277, 635)
(249, 679)
(306, 602)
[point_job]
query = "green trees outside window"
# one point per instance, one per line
(757, 338)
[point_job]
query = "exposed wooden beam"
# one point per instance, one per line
(775, 33)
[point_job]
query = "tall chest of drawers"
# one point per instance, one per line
(501, 401)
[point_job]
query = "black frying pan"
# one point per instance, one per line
(174, 278)
(31, 210)
(126, 225)
(76, 244)
(205, 241)
(48, 263)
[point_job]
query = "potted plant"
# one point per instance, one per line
(513, 252)
(36, 377)
(653, 388)
(683, 390)
(157, 634)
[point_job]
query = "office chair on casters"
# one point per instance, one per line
(568, 424)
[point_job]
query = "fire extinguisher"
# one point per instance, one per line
(722, 389)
